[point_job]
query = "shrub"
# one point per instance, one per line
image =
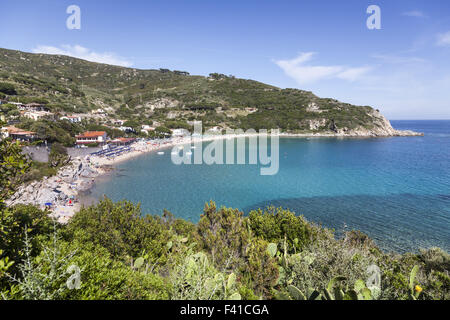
(58, 155)
(105, 278)
(324, 260)
(197, 279)
(273, 224)
(225, 235)
(121, 229)
(7, 88)
(435, 259)
(261, 269)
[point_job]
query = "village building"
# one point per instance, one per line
(127, 129)
(32, 107)
(214, 130)
(88, 137)
(73, 119)
(147, 127)
(99, 111)
(19, 105)
(122, 141)
(118, 122)
(18, 134)
(28, 136)
(39, 115)
(180, 132)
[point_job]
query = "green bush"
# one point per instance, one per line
(58, 155)
(325, 259)
(14, 222)
(225, 235)
(104, 278)
(7, 88)
(121, 229)
(274, 224)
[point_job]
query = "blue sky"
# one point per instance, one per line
(403, 69)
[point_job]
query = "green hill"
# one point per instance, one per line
(71, 85)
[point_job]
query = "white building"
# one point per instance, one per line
(73, 119)
(214, 130)
(147, 127)
(92, 137)
(38, 115)
(180, 132)
(126, 129)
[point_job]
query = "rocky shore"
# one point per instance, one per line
(60, 193)
(381, 127)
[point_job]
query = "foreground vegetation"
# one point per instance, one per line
(269, 254)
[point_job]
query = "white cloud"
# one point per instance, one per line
(80, 52)
(414, 13)
(394, 59)
(296, 69)
(353, 74)
(443, 39)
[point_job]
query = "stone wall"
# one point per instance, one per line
(40, 154)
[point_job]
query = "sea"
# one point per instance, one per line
(395, 189)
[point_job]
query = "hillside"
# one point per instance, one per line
(175, 98)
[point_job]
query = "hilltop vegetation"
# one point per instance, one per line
(71, 85)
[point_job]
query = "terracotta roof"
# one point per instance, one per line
(18, 132)
(123, 140)
(126, 139)
(91, 134)
(12, 129)
(23, 133)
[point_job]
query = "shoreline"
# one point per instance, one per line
(142, 148)
(68, 190)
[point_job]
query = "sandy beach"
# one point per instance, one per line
(62, 194)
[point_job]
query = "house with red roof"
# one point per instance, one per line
(122, 141)
(89, 137)
(18, 134)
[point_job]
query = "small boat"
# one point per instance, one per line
(160, 153)
(193, 147)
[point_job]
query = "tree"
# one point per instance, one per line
(12, 164)
(13, 222)
(58, 154)
(8, 89)
(162, 132)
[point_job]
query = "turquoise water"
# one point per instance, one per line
(396, 189)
